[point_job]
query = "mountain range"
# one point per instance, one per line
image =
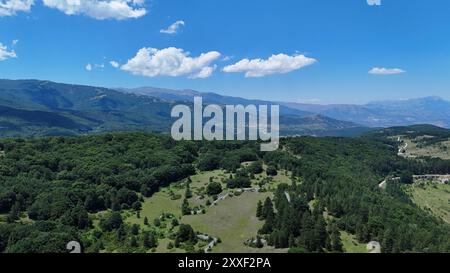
(42, 108)
(428, 110)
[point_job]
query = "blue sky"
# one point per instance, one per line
(324, 51)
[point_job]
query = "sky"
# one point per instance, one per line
(311, 51)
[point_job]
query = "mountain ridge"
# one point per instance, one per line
(385, 113)
(83, 109)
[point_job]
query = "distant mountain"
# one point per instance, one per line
(41, 108)
(429, 110)
(32, 107)
(209, 98)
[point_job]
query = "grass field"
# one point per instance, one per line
(351, 245)
(440, 150)
(431, 196)
(233, 221)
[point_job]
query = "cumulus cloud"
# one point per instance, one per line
(89, 67)
(172, 62)
(11, 7)
(5, 53)
(100, 9)
(374, 2)
(114, 64)
(276, 64)
(173, 29)
(386, 71)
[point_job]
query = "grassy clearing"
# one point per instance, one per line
(439, 150)
(351, 245)
(432, 197)
(282, 177)
(233, 221)
(163, 201)
(154, 206)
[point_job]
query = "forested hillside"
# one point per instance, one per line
(58, 189)
(341, 176)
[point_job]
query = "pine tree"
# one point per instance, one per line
(267, 208)
(320, 233)
(259, 209)
(153, 240)
(388, 241)
(121, 233)
(14, 213)
(268, 226)
(185, 209)
(146, 221)
(336, 242)
(135, 229)
(133, 242)
(188, 193)
(149, 240)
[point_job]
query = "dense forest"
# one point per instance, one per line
(51, 187)
(342, 176)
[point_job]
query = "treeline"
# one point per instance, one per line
(291, 223)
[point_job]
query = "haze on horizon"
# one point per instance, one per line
(319, 52)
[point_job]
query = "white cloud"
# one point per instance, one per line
(227, 58)
(374, 2)
(276, 64)
(11, 7)
(90, 67)
(173, 62)
(14, 42)
(386, 71)
(173, 29)
(5, 53)
(100, 9)
(114, 64)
